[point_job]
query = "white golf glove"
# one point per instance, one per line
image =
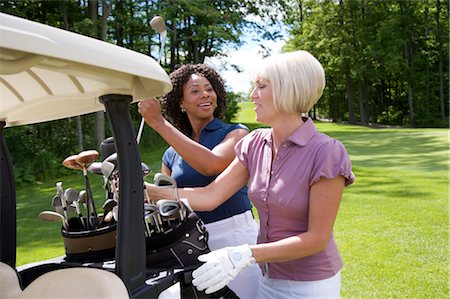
(221, 266)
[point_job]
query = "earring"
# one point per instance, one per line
(182, 109)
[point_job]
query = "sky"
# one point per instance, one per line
(246, 57)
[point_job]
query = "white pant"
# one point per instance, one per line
(233, 231)
(289, 289)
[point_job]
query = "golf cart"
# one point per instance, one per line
(48, 74)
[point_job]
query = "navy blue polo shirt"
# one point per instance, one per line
(186, 176)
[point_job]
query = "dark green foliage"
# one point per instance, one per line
(233, 100)
(386, 62)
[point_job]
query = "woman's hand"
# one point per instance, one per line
(156, 193)
(150, 109)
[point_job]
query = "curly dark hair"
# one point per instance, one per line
(170, 103)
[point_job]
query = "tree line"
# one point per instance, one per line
(386, 62)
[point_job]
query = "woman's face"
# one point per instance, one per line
(262, 97)
(199, 98)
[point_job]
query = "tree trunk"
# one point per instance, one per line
(106, 10)
(333, 104)
(350, 97)
(366, 101)
(99, 115)
(173, 47)
(441, 64)
(64, 13)
(362, 110)
(408, 55)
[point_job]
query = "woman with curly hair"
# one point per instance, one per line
(201, 147)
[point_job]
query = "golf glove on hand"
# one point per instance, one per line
(221, 266)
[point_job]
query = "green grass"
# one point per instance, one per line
(392, 227)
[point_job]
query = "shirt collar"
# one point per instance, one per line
(213, 125)
(302, 135)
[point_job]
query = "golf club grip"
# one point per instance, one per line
(87, 157)
(70, 162)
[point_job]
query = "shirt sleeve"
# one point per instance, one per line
(331, 161)
(242, 147)
(168, 157)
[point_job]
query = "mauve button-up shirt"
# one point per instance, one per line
(280, 192)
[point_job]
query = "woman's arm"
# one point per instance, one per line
(207, 162)
(165, 169)
(210, 197)
(325, 196)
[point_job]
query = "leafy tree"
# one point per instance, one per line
(387, 59)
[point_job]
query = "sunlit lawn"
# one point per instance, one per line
(392, 228)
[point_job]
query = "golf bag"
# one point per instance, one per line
(89, 245)
(178, 247)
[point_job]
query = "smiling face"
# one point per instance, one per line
(262, 97)
(199, 98)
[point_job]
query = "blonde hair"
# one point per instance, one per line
(297, 80)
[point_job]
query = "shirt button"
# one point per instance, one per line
(284, 144)
(278, 157)
(272, 172)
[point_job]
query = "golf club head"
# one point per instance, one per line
(107, 168)
(115, 211)
(150, 208)
(162, 179)
(168, 208)
(112, 158)
(152, 216)
(145, 169)
(50, 216)
(57, 203)
(53, 216)
(85, 158)
(82, 197)
(108, 217)
(107, 147)
(71, 195)
(109, 204)
(95, 168)
(158, 24)
(70, 162)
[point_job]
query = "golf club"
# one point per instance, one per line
(159, 25)
(71, 162)
(53, 216)
(60, 193)
(162, 180)
(56, 204)
(151, 214)
(84, 159)
(169, 210)
(72, 196)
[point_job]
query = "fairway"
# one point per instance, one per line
(392, 227)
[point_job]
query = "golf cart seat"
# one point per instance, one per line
(79, 282)
(9, 282)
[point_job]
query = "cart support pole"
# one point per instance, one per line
(7, 204)
(130, 265)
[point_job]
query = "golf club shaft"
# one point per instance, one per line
(163, 35)
(90, 205)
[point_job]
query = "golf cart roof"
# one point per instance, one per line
(48, 73)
